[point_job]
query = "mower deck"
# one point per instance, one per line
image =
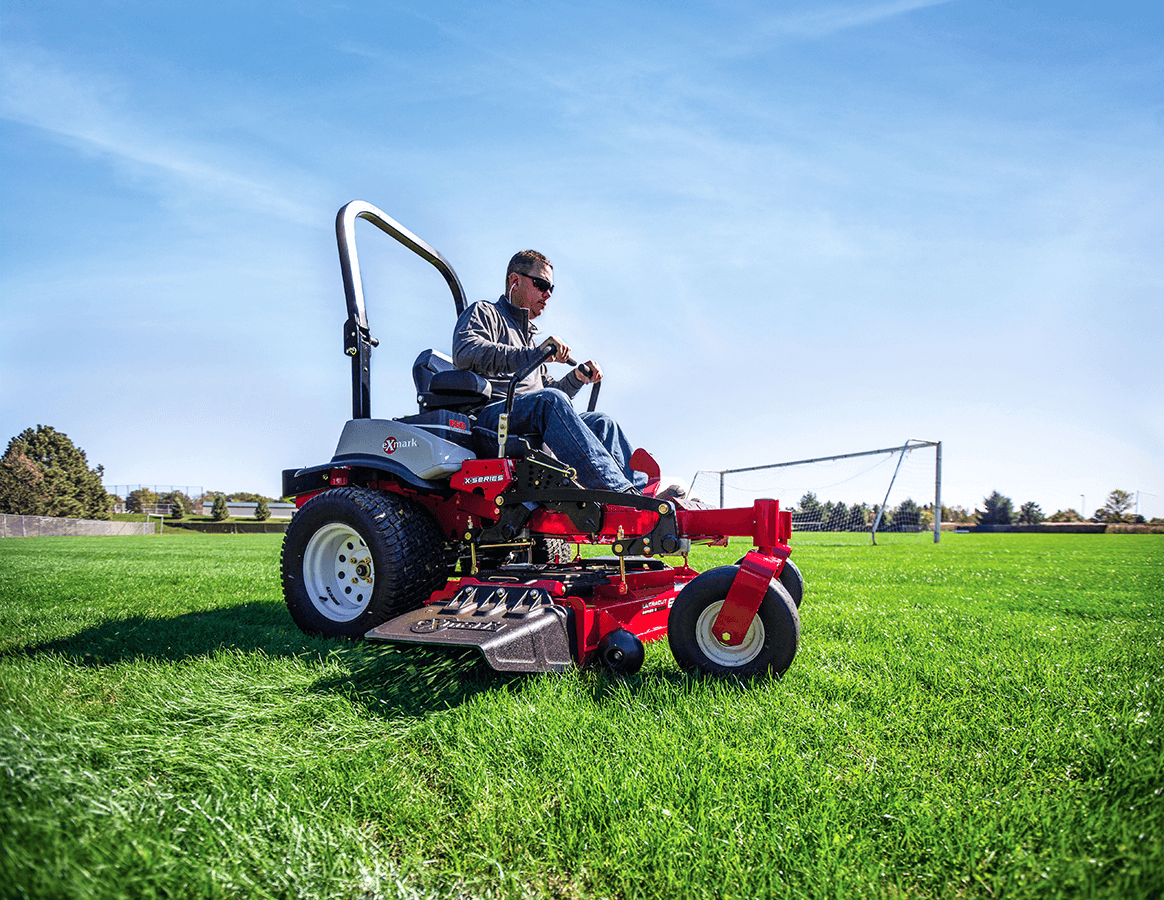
(527, 618)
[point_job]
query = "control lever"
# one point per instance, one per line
(594, 385)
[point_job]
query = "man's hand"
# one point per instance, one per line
(593, 368)
(563, 348)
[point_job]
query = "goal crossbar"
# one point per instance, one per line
(909, 445)
(903, 449)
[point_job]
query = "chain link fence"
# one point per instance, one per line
(44, 526)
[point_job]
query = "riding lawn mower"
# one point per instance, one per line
(431, 529)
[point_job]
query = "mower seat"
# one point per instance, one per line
(428, 364)
(441, 385)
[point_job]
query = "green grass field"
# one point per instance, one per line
(979, 718)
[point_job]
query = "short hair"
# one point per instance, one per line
(525, 260)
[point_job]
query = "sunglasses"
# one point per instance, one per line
(546, 287)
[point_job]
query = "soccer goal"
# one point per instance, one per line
(894, 489)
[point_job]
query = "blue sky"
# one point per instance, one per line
(786, 230)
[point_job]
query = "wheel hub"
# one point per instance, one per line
(714, 647)
(338, 572)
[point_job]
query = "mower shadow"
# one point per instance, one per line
(247, 627)
(394, 680)
(388, 680)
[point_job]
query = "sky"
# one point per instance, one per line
(785, 230)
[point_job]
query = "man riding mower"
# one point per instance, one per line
(436, 528)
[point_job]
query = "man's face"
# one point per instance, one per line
(525, 294)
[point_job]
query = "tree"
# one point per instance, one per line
(956, 514)
(1065, 515)
(138, 500)
(808, 514)
(998, 510)
(907, 517)
(262, 511)
(219, 511)
(837, 518)
(886, 518)
(180, 504)
(246, 497)
(1030, 513)
(1116, 508)
(22, 487)
(42, 473)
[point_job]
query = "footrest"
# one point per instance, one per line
(518, 628)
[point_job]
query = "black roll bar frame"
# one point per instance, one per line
(358, 340)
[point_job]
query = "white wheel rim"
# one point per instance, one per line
(338, 573)
(719, 652)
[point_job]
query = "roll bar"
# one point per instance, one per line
(358, 340)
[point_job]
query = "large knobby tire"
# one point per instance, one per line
(353, 558)
(551, 550)
(768, 647)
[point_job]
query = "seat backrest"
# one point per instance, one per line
(428, 364)
(441, 385)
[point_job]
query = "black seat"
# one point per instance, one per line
(428, 364)
(441, 385)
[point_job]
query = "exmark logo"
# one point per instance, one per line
(438, 623)
(391, 445)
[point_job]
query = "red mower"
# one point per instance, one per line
(429, 529)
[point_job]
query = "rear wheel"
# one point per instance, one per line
(551, 550)
(354, 558)
(768, 647)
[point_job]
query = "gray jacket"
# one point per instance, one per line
(495, 340)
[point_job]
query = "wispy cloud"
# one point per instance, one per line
(94, 113)
(822, 21)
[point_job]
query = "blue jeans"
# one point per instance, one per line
(591, 443)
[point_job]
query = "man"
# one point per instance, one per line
(496, 339)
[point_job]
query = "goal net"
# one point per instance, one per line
(894, 489)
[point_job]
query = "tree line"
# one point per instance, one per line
(42, 473)
(1116, 510)
(810, 514)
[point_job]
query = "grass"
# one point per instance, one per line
(979, 718)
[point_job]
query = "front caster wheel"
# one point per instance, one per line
(353, 558)
(792, 580)
(768, 647)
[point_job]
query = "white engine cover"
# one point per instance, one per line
(425, 455)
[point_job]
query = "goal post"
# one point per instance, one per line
(872, 491)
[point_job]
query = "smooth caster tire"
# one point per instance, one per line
(792, 580)
(768, 648)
